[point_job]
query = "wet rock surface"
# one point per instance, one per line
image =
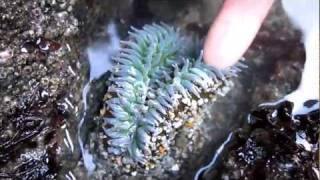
(273, 145)
(43, 66)
(38, 80)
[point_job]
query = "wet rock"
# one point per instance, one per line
(35, 77)
(36, 164)
(274, 145)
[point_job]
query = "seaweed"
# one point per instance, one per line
(274, 144)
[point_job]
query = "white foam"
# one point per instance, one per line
(301, 139)
(87, 157)
(214, 159)
(99, 55)
(316, 171)
(305, 15)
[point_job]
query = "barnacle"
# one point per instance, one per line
(153, 85)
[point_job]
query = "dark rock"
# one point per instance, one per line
(272, 146)
(37, 53)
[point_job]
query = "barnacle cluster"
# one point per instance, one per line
(39, 80)
(155, 88)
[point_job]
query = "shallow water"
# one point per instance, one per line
(275, 60)
(99, 56)
(229, 112)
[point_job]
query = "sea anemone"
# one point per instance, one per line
(155, 87)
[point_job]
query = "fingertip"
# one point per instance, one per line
(233, 31)
(215, 59)
(220, 51)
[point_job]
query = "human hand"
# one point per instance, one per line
(233, 31)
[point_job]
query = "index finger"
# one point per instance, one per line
(233, 31)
